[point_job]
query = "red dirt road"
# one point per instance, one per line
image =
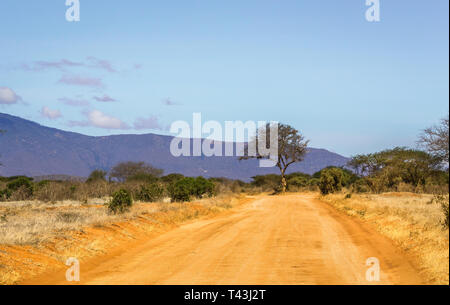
(292, 239)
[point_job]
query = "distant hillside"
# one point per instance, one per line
(28, 148)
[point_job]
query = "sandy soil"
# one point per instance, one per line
(292, 239)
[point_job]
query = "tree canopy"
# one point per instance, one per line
(435, 140)
(291, 147)
(127, 170)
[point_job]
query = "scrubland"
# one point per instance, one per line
(39, 236)
(415, 222)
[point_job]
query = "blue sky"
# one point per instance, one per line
(349, 85)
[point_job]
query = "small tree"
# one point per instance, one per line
(126, 170)
(182, 190)
(331, 180)
(150, 193)
(436, 140)
(121, 202)
(97, 175)
(291, 146)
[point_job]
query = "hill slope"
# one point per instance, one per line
(28, 148)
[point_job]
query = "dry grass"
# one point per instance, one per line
(37, 236)
(412, 221)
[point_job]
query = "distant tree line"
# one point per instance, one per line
(141, 181)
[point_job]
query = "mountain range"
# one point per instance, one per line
(28, 148)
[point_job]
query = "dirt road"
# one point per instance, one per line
(293, 239)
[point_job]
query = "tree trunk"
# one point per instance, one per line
(283, 184)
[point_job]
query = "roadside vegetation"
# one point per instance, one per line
(414, 222)
(38, 236)
(140, 181)
(404, 194)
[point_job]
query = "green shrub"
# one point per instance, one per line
(361, 186)
(143, 177)
(5, 194)
(97, 175)
(203, 187)
(172, 178)
(188, 187)
(314, 182)
(182, 190)
(42, 183)
(150, 193)
(121, 202)
(331, 180)
(267, 182)
(23, 184)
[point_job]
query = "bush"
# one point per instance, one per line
(150, 193)
(5, 195)
(121, 202)
(186, 188)
(203, 187)
(97, 175)
(142, 177)
(314, 182)
(22, 185)
(298, 182)
(360, 186)
(172, 178)
(443, 200)
(182, 190)
(267, 182)
(331, 180)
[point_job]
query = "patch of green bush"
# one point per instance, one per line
(203, 187)
(361, 186)
(188, 187)
(97, 175)
(150, 193)
(298, 181)
(182, 190)
(331, 180)
(5, 194)
(143, 177)
(22, 183)
(172, 178)
(121, 202)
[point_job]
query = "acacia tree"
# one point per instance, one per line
(435, 139)
(127, 170)
(291, 147)
(398, 164)
(97, 175)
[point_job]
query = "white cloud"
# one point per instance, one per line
(50, 114)
(8, 96)
(99, 119)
